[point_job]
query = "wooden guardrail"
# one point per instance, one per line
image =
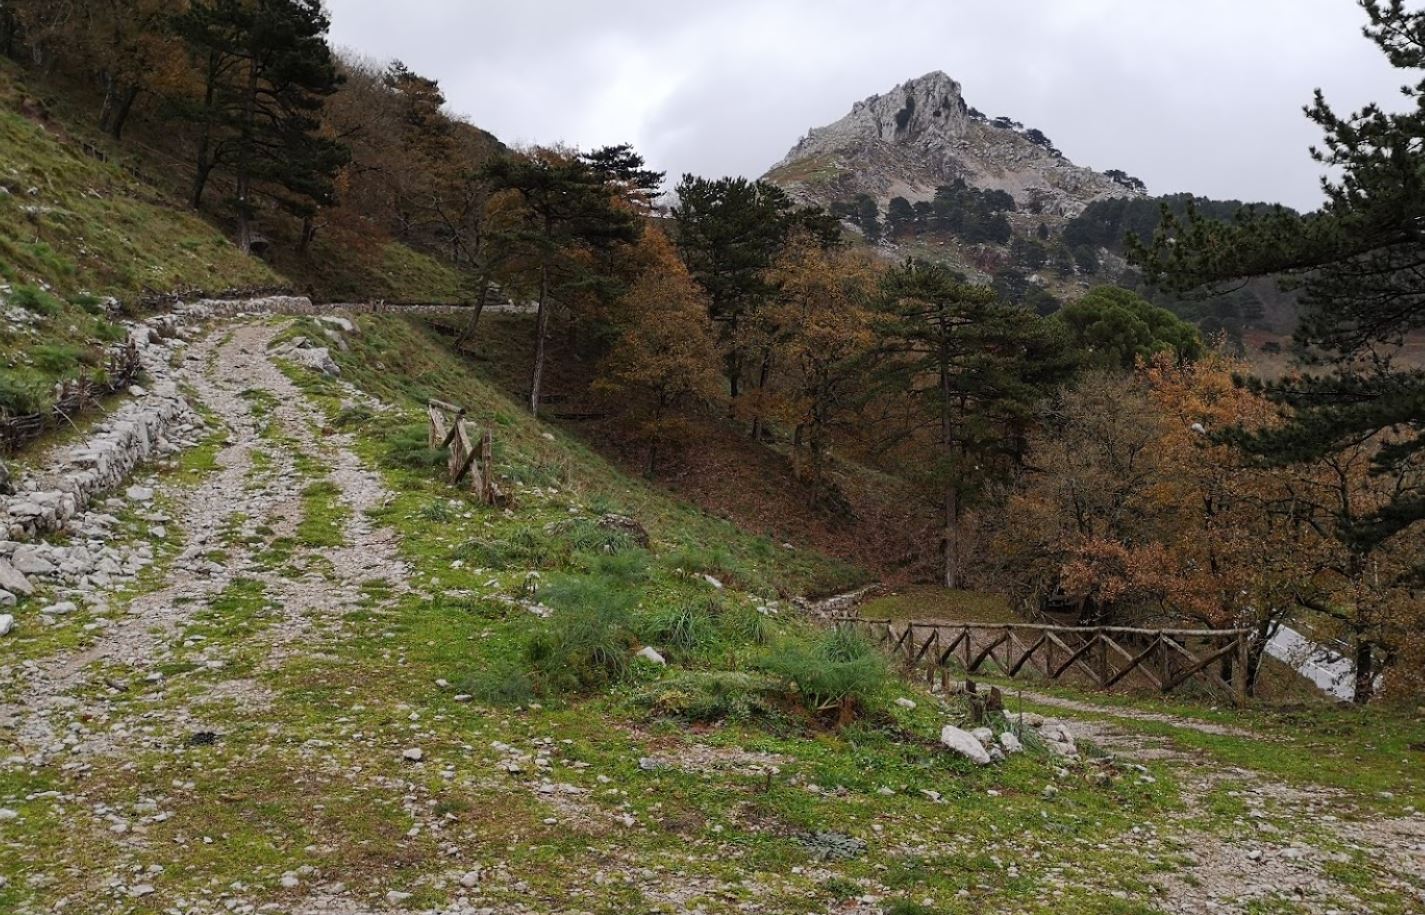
(1105, 657)
(471, 455)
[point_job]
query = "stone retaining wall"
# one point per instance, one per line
(157, 421)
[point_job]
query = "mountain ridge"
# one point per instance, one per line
(922, 135)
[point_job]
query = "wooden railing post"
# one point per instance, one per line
(1239, 670)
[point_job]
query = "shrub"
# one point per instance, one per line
(353, 415)
(833, 671)
(588, 641)
(588, 535)
(35, 299)
(58, 359)
(746, 626)
(505, 684)
(712, 696)
(18, 398)
(409, 447)
(685, 627)
(526, 548)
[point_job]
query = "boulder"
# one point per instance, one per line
(28, 561)
(1010, 743)
(965, 744)
(14, 581)
(7, 623)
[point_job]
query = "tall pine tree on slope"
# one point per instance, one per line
(267, 69)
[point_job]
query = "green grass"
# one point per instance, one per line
(84, 226)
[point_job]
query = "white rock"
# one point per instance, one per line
(903, 702)
(7, 814)
(985, 736)
(649, 653)
(414, 754)
(60, 608)
(1010, 743)
(396, 897)
(28, 561)
(12, 580)
(139, 494)
(713, 581)
(470, 879)
(965, 744)
(7, 624)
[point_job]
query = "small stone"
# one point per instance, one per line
(649, 653)
(395, 897)
(1010, 743)
(7, 814)
(470, 879)
(414, 754)
(60, 608)
(139, 494)
(905, 703)
(7, 623)
(141, 889)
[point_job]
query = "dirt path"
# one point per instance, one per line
(217, 519)
(151, 678)
(1245, 840)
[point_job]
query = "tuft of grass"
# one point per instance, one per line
(836, 670)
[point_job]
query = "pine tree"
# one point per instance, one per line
(562, 225)
(1357, 262)
(729, 232)
(267, 69)
(625, 170)
(969, 369)
(663, 361)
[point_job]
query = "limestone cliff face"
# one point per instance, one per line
(922, 135)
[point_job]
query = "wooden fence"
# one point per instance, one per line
(72, 398)
(471, 456)
(1104, 657)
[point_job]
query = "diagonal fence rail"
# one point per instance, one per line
(1104, 657)
(471, 460)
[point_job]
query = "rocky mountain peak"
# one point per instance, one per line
(922, 135)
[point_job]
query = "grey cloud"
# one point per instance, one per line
(1200, 95)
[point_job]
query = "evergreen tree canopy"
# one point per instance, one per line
(1358, 262)
(971, 369)
(267, 70)
(625, 169)
(1111, 327)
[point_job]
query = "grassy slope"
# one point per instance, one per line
(76, 224)
(80, 225)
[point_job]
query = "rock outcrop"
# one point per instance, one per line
(922, 135)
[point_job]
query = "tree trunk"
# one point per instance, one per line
(952, 537)
(1365, 672)
(763, 373)
(117, 106)
(244, 164)
(205, 164)
(469, 330)
(309, 234)
(541, 335)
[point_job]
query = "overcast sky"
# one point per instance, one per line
(1197, 95)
